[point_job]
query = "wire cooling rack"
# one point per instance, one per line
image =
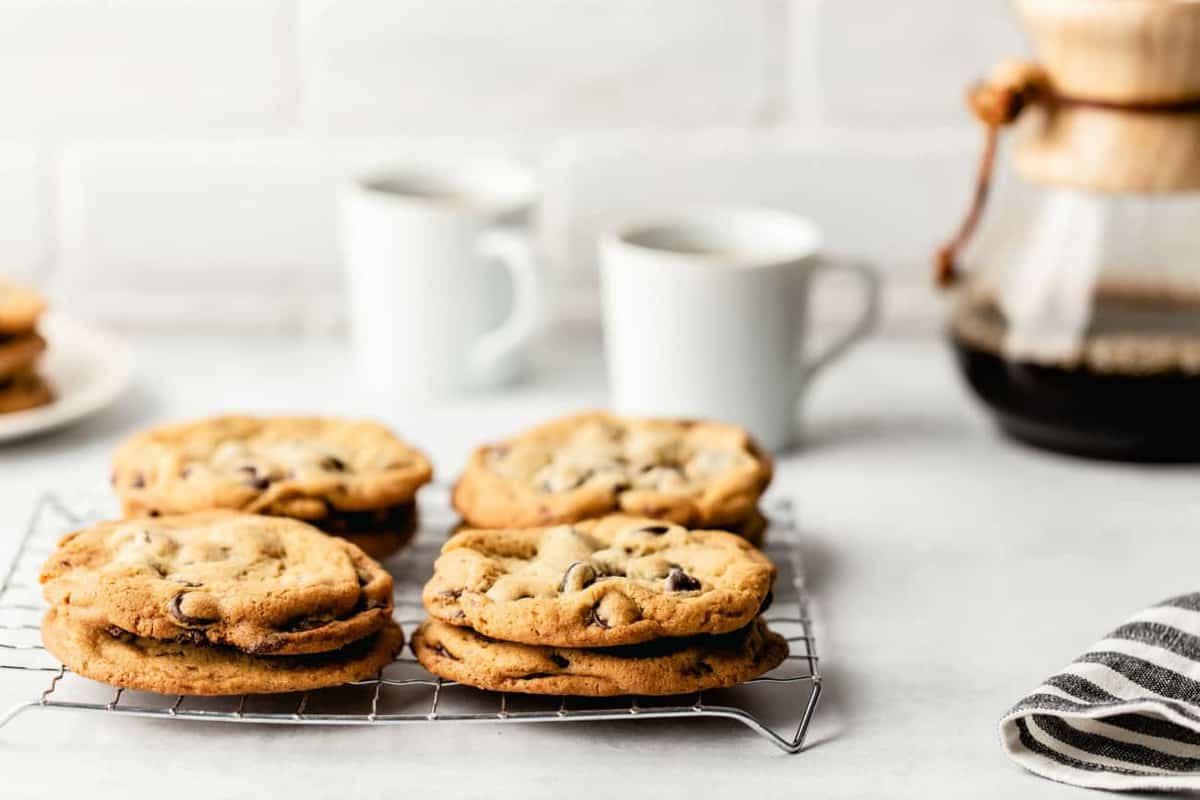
(778, 706)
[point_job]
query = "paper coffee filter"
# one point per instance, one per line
(1047, 299)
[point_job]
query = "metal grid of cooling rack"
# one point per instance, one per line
(777, 706)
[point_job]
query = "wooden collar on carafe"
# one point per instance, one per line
(997, 102)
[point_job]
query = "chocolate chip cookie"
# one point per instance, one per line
(20, 308)
(119, 658)
(255, 583)
(661, 667)
(19, 352)
(23, 391)
(612, 581)
(703, 474)
(347, 477)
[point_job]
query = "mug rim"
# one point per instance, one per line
(462, 176)
(809, 243)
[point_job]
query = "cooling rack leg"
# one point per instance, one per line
(16, 710)
(802, 728)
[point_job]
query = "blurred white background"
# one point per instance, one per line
(172, 162)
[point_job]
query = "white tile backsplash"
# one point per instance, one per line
(175, 161)
(536, 66)
(21, 225)
(146, 65)
(888, 200)
(210, 217)
(885, 63)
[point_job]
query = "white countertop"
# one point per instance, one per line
(952, 571)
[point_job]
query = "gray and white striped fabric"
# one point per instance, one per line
(1125, 714)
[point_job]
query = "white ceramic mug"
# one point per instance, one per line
(706, 315)
(426, 251)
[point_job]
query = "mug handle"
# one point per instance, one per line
(514, 251)
(869, 315)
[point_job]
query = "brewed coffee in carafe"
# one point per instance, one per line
(1077, 315)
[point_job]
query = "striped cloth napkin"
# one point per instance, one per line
(1125, 714)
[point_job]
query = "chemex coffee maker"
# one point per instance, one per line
(1077, 309)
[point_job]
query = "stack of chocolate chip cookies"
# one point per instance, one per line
(21, 346)
(350, 478)
(217, 603)
(611, 606)
(700, 474)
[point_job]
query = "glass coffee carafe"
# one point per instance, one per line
(1077, 309)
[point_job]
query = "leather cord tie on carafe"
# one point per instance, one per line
(997, 103)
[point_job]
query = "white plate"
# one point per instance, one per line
(88, 368)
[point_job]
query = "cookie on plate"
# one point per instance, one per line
(121, 659)
(661, 667)
(616, 580)
(255, 583)
(702, 474)
(19, 353)
(20, 308)
(347, 477)
(23, 391)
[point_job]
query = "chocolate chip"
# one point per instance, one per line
(594, 618)
(138, 482)
(333, 464)
(579, 576)
(188, 584)
(194, 638)
(371, 605)
(559, 661)
(679, 581)
(119, 633)
(266, 646)
(253, 479)
(308, 624)
(443, 652)
(451, 593)
(177, 612)
(657, 530)
(154, 512)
